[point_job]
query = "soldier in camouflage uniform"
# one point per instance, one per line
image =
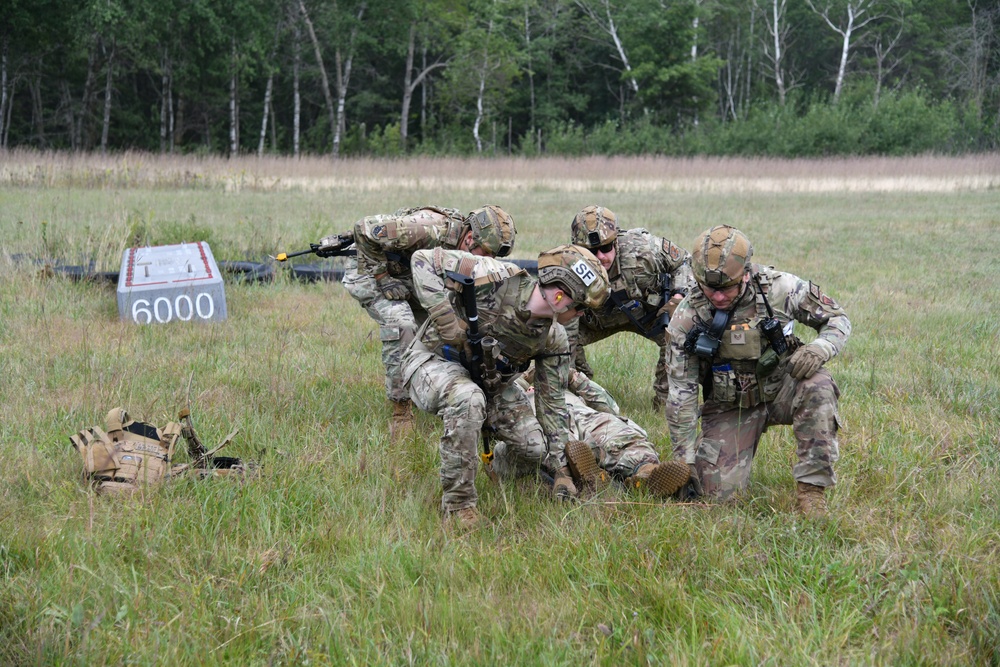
(382, 283)
(524, 315)
(649, 276)
(605, 444)
(754, 373)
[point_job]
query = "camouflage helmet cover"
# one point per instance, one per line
(576, 270)
(594, 226)
(493, 230)
(721, 256)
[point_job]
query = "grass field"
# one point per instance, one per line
(336, 553)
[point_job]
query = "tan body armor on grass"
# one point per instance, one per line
(128, 455)
(131, 454)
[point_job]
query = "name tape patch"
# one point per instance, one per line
(585, 273)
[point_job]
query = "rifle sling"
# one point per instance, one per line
(618, 298)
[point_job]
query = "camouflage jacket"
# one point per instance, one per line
(738, 375)
(636, 275)
(385, 243)
(592, 394)
(502, 294)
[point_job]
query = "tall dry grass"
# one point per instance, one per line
(608, 174)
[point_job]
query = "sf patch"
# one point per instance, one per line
(671, 250)
(378, 231)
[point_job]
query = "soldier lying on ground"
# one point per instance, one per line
(604, 444)
(524, 315)
(381, 280)
(649, 276)
(732, 335)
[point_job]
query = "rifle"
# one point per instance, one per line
(666, 289)
(481, 366)
(203, 460)
(339, 248)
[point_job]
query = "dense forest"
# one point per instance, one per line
(524, 77)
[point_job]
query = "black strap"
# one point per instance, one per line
(398, 258)
(618, 299)
(719, 323)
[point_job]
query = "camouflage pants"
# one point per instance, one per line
(398, 323)
(590, 335)
(619, 444)
(444, 388)
(729, 435)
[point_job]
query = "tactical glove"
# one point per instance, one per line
(670, 306)
(694, 480)
(392, 288)
(450, 327)
(806, 360)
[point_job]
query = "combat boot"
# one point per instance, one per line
(563, 487)
(464, 519)
(583, 467)
(812, 502)
(402, 420)
(661, 479)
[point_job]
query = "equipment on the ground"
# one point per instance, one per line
(131, 455)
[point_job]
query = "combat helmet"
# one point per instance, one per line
(594, 226)
(577, 271)
(493, 230)
(721, 256)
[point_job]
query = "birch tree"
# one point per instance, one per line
(846, 18)
(735, 37)
(972, 55)
(268, 89)
(601, 13)
(776, 44)
(413, 78)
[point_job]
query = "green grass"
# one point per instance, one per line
(336, 554)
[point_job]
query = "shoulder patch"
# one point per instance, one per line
(378, 231)
(819, 297)
(671, 250)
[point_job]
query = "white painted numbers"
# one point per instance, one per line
(162, 310)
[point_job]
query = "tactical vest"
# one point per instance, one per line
(738, 375)
(498, 294)
(125, 459)
(628, 299)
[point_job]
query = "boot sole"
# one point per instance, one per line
(583, 467)
(668, 478)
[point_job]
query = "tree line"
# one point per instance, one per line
(392, 77)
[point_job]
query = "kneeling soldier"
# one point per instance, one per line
(524, 316)
(733, 335)
(381, 280)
